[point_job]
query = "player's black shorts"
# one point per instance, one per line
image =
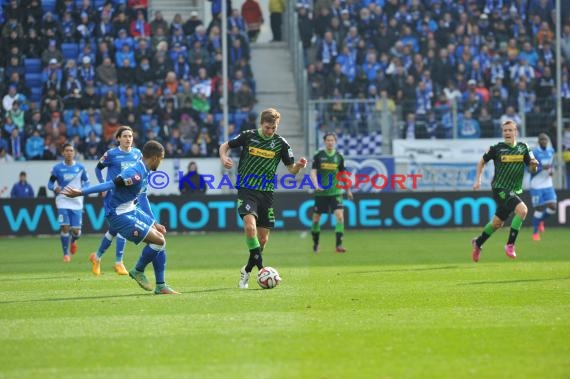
(327, 204)
(257, 203)
(507, 201)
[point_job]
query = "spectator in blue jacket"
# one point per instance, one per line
(22, 189)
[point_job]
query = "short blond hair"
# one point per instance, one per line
(270, 116)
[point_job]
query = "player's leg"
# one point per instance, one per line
(119, 253)
(75, 222)
(538, 214)
(550, 201)
(263, 237)
(247, 209)
(316, 231)
(316, 225)
(265, 222)
(254, 247)
(336, 204)
(501, 214)
(155, 243)
(95, 257)
(520, 210)
(154, 251)
(63, 218)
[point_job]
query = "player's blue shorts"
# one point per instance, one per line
(542, 196)
(134, 225)
(71, 217)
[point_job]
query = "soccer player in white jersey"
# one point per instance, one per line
(68, 173)
(542, 192)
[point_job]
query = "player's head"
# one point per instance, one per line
(510, 131)
(124, 137)
(153, 154)
(543, 140)
(330, 140)
(269, 121)
(68, 152)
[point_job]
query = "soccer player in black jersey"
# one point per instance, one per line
(327, 163)
(262, 150)
(510, 158)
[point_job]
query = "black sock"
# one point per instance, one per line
(513, 233)
(254, 256)
(339, 239)
(260, 259)
(482, 238)
(316, 236)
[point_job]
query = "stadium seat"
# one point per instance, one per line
(36, 94)
(48, 5)
(70, 50)
(33, 79)
(239, 118)
(33, 65)
(99, 3)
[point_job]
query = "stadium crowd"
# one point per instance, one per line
(492, 59)
(75, 70)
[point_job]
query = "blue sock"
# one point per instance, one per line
(537, 217)
(104, 245)
(148, 254)
(121, 242)
(64, 242)
(159, 264)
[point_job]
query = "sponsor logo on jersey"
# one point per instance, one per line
(329, 166)
(512, 158)
(261, 152)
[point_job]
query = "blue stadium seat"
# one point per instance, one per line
(36, 94)
(98, 3)
(33, 65)
(48, 5)
(33, 79)
(239, 118)
(70, 50)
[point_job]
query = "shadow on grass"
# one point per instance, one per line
(150, 293)
(408, 269)
(513, 281)
(27, 279)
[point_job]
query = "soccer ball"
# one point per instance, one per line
(268, 278)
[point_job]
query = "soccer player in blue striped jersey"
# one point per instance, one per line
(542, 192)
(135, 221)
(510, 158)
(115, 160)
(68, 173)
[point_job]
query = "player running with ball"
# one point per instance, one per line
(262, 150)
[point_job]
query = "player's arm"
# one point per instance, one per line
(84, 178)
(227, 162)
(225, 147)
(52, 186)
(342, 171)
(288, 159)
(479, 173)
(297, 166)
(101, 187)
(314, 178)
(313, 173)
(99, 172)
(531, 161)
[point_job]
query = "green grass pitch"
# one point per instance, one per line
(399, 304)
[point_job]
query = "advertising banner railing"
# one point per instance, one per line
(401, 210)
